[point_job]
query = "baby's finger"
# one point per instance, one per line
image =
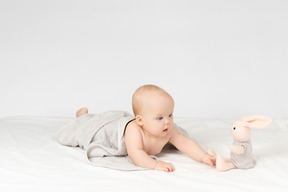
(212, 162)
(167, 169)
(208, 162)
(171, 168)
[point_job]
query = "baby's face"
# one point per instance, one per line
(157, 115)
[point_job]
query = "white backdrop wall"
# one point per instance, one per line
(218, 59)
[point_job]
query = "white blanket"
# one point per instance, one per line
(31, 160)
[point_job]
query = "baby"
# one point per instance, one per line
(153, 128)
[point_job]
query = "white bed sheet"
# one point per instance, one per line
(31, 159)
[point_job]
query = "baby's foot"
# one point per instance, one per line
(81, 111)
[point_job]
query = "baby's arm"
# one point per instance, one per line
(135, 149)
(191, 148)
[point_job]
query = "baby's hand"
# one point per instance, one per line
(209, 159)
(163, 166)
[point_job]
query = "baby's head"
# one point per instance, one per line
(147, 97)
(153, 109)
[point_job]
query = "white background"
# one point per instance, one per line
(218, 59)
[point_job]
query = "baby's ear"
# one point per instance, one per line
(139, 120)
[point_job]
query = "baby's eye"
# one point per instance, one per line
(171, 115)
(160, 118)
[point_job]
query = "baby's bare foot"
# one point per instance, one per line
(81, 111)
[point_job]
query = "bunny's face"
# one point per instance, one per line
(240, 132)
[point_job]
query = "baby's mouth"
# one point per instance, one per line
(165, 130)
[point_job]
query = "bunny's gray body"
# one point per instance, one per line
(245, 160)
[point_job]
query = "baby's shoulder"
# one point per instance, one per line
(132, 127)
(132, 135)
(132, 124)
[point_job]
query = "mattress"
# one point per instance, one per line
(31, 159)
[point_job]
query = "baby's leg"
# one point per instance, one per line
(81, 111)
(224, 164)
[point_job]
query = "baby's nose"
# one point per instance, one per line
(167, 120)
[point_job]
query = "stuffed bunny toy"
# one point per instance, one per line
(241, 150)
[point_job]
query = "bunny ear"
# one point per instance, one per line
(256, 121)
